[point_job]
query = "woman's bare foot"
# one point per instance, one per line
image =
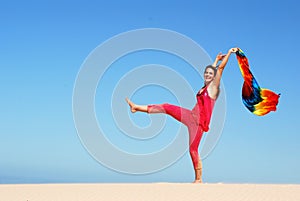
(197, 181)
(131, 105)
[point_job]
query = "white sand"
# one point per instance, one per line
(151, 192)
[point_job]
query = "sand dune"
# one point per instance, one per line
(151, 192)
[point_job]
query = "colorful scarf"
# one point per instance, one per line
(258, 100)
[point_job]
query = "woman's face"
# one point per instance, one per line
(209, 75)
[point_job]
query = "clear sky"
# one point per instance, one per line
(43, 45)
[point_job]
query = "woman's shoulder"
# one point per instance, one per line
(213, 91)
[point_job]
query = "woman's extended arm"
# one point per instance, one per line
(222, 66)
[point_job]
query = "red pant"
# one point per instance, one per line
(186, 117)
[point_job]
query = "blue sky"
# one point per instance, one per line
(44, 43)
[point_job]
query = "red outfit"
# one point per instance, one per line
(197, 120)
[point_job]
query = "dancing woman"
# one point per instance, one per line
(197, 120)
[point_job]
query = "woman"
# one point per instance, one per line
(197, 120)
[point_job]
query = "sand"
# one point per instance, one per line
(151, 192)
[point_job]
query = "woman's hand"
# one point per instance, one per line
(233, 50)
(220, 56)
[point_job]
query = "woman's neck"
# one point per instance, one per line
(206, 83)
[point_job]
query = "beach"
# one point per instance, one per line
(149, 191)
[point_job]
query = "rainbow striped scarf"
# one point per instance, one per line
(258, 100)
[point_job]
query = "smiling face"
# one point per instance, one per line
(209, 75)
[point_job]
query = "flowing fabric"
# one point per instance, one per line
(258, 100)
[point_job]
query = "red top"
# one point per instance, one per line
(203, 109)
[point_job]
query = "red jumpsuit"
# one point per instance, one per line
(197, 120)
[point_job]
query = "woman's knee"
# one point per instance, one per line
(157, 108)
(193, 152)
